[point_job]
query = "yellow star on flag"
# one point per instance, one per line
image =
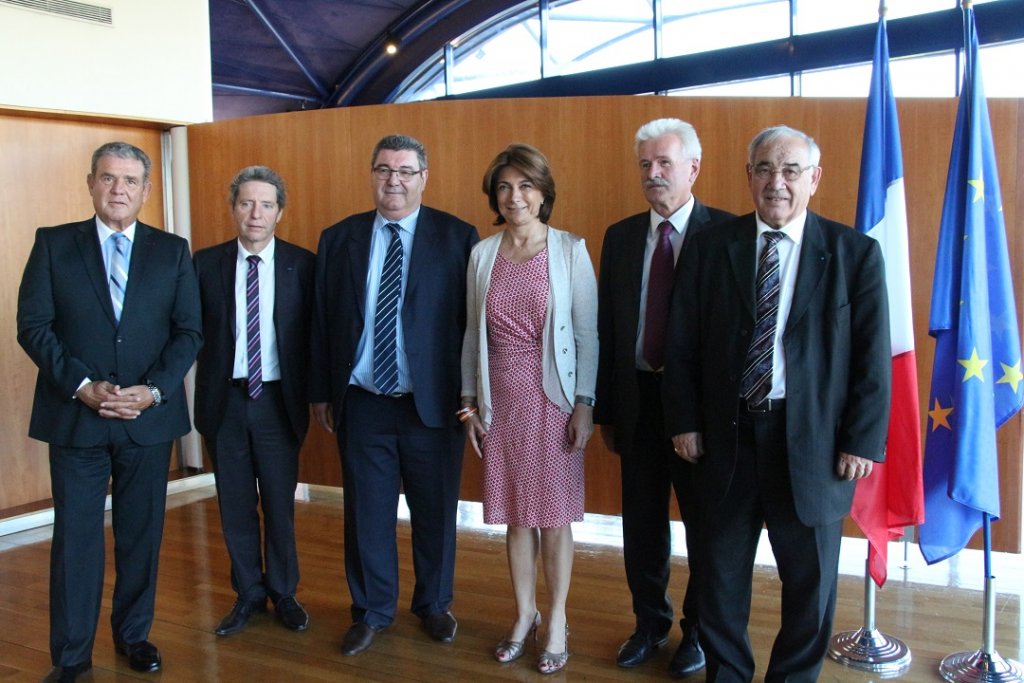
(940, 416)
(979, 189)
(1011, 375)
(974, 366)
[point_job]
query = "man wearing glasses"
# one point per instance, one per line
(776, 382)
(388, 320)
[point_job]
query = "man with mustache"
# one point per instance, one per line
(638, 262)
(777, 382)
(389, 314)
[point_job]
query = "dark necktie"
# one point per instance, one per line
(118, 273)
(659, 291)
(757, 373)
(385, 349)
(252, 327)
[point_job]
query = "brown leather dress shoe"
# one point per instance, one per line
(441, 626)
(358, 638)
(142, 656)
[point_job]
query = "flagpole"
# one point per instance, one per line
(867, 648)
(985, 664)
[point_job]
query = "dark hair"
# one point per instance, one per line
(401, 143)
(122, 150)
(261, 174)
(532, 163)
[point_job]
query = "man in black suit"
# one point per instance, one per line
(252, 394)
(109, 312)
(637, 266)
(389, 315)
(777, 386)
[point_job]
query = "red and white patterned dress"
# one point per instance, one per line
(532, 475)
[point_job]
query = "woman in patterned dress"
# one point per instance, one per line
(529, 364)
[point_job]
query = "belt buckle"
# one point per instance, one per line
(763, 406)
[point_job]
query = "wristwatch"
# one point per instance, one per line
(585, 400)
(158, 397)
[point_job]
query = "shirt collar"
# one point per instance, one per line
(267, 255)
(679, 219)
(408, 223)
(105, 232)
(794, 230)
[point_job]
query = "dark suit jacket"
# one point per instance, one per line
(836, 342)
(293, 306)
(618, 317)
(433, 311)
(66, 325)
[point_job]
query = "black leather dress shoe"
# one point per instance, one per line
(689, 657)
(142, 656)
(291, 614)
(441, 626)
(358, 638)
(69, 674)
(638, 649)
(238, 617)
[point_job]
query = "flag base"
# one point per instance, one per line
(968, 667)
(870, 650)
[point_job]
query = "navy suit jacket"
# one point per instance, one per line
(293, 305)
(66, 325)
(433, 311)
(836, 342)
(618, 318)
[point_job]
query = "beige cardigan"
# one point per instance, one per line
(570, 324)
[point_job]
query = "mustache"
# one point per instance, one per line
(655, 182)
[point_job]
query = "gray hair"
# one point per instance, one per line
(122, 150)
(401, 143)
(770, 135)
(686, 133)
(261, 174)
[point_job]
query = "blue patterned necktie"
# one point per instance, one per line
(757, 373)
(659, 291)
(118, 273)
(385, 349)
(252, 327)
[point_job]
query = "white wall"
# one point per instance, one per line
(153, 63)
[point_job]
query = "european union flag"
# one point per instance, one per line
(977, 383)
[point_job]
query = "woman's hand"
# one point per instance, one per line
(581, 425)
(475, 432)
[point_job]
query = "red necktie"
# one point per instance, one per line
(659, 291)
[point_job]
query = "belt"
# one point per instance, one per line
(244, 382)
(768, 405)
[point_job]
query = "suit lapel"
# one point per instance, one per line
(284, 281)
(814, 260)
(228, 266)
(634, 247)
(358, 254)
(426, 252)
(742, 257)
(92, 259)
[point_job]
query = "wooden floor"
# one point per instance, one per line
(937, 611)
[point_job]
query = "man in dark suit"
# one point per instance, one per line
(109, 311)
(389, 315)
(777, 386)
(252, 394)
(637, 265)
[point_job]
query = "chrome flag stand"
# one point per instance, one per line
(867, 648)
(984, 664)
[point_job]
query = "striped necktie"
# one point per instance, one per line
(252, 327)
(118, 273)
(385, 334)
(757, 373)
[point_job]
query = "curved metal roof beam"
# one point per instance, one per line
(310, 76)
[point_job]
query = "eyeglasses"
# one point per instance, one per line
(404, 174)
(789, 172)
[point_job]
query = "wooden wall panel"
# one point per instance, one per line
(324, 156)
(42, 182)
